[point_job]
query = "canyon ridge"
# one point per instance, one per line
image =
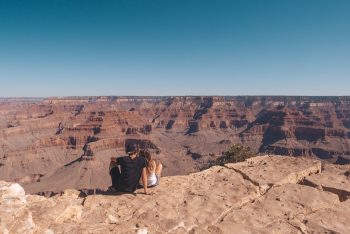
(52, 144)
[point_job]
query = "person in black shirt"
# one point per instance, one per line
(126, 171)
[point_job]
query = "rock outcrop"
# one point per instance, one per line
(47, 137)
(266, 194)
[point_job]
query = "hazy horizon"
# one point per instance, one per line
(160, 96)
(174, 48)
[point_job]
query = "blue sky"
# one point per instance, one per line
(174, 47)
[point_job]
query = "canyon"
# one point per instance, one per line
(52, 144)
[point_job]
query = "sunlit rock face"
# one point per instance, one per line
(48, 145)
(265, 194)
(15, 217)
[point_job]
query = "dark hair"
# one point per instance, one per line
(131, 148)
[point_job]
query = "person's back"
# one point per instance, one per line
(152, 178)
(153, 170)
(132, 168)
(130, 172)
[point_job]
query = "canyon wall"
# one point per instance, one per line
(66, 142)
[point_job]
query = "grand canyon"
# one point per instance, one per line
(55, 154)
(174, 117)
(52, 144)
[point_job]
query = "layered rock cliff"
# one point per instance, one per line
(43, 139)
(267, 194)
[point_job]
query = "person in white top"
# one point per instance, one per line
(154, 170)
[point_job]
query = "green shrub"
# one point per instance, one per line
(236, 153)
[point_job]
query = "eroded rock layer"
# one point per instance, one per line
(267, 194)
(57, 143)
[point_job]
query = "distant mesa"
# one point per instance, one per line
(68, 141)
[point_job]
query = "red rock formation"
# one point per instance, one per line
(39, 136)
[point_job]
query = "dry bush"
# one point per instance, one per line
(236, 153)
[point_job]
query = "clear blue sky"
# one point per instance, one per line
(174, 47)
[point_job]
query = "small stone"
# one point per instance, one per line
(142, 231)
(48, 231)
(111, 219)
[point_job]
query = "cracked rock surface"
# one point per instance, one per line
(266, 194)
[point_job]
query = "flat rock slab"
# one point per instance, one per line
(282, 209)
(266, 171)
(180, 203)
(229, 199)
(330, 220)
(334, 178)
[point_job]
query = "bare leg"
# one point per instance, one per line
(159, 169)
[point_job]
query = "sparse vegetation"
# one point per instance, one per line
(96, 130)
(236, 153)
(347, 173)
(89, 152)
(91, 139)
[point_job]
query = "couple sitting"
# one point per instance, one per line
(127, 171)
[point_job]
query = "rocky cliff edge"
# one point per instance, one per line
(267, 194)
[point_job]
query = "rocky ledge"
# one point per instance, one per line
(267, 194)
